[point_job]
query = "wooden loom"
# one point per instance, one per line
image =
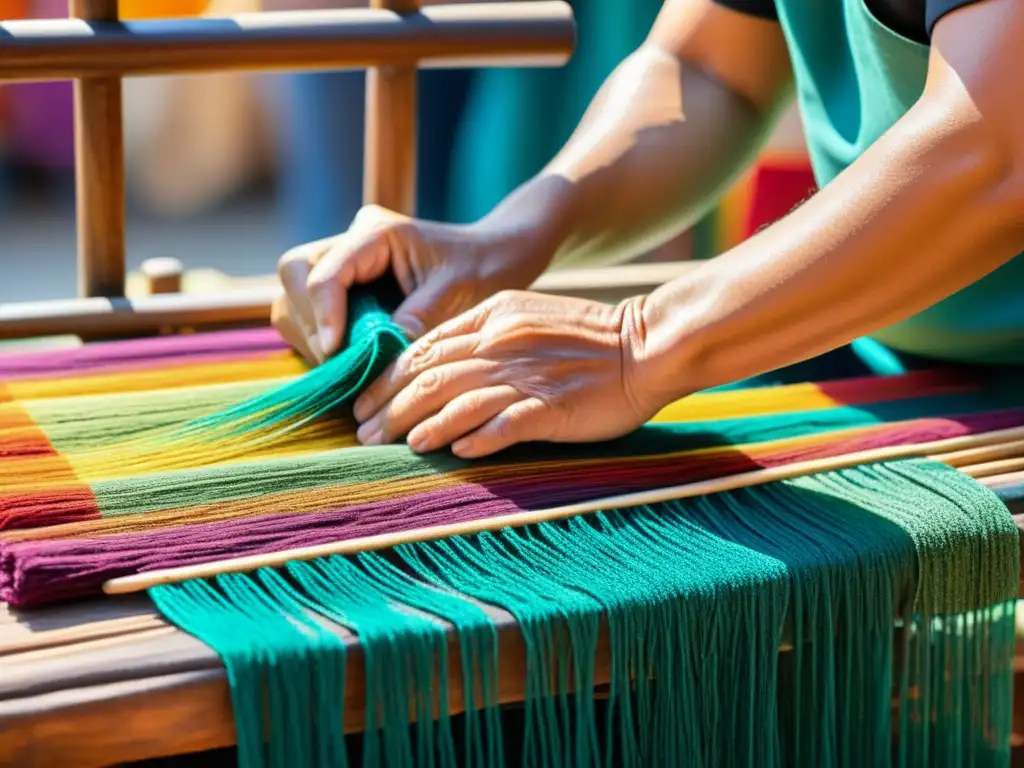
(68, 672)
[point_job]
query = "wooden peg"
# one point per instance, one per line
(162, 274)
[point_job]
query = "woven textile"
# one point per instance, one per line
(887, 579)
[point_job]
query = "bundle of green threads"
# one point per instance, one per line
(894, 579)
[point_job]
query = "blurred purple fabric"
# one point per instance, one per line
(39, 115)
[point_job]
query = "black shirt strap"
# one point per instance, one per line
(764, 9)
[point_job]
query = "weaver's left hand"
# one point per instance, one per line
(518, 367)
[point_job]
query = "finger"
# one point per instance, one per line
(465, 413)
(354, 258)
(282, 318)
(431, 304)
(424, 353)
(293, 271)
(524, 421)
(425, 395)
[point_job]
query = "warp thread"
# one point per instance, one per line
(695, 597)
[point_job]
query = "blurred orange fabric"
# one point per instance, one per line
(128, 9)
(159, 9)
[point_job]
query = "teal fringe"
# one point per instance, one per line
(885, 580)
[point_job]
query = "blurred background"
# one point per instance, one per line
(225, 172)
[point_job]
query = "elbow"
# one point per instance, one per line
(976, 159)
(999, 163)
(971, 134)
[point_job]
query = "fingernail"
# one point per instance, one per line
(460, 447)
(373, 439)
(361, 409)
(417, 441)
(369, 433)
(328, 339)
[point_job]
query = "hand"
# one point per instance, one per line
(443, 270)
(519, 367)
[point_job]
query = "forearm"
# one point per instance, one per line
(932, 207)
(667, 133)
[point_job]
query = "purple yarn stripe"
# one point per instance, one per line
(32, 573)
(36, 572)
(22, 365)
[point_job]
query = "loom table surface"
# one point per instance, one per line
(108, 681)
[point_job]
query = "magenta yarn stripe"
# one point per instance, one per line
(155, 365)
(36, 572)
(110, 354)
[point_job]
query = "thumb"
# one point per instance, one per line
(426, 307)
(353, 259)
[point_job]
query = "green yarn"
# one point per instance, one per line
(254, 479)
(113, 419)
(372, 341)
(694, 597)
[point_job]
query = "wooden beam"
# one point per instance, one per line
(94, 318)
(458, 35)
(99, 171)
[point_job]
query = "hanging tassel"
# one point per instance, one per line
(695, 596)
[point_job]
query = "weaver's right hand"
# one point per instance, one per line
(443, 270)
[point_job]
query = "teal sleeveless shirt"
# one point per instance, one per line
(855, 78)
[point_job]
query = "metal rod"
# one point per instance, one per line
(458, 35)
(92, 318)
(389, 176)
(99, 172)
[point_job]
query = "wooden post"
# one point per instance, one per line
(389, 175)
(99, 172)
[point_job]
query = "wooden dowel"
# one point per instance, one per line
(93, 318)
(994, 468)
(1010, 479)
(99, 172)
(142, 581)
(458, 35)
(1009, 449)
(389, 158)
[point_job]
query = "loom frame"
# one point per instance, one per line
(391, 39)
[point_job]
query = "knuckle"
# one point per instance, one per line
(433, 430)
(376, 218)
(428, 383)
(505, 425)
(370, 212)
(470, 402)
(291, 257)
(423, 354)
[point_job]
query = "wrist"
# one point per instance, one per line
(670, 329)
(651, 370)
(530, 226)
